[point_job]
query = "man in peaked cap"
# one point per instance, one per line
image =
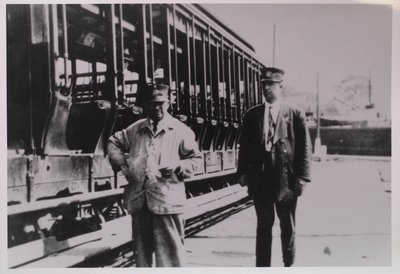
(274, 162)
(162, 152)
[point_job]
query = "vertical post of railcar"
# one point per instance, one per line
(144, 42)
(29, 167)
(54, 24)
(120, 68)
(260, 94)
(111, 52)
(256, 89)
(223, 79)
(230, 87)
(189, 101)
(178, 95)
(54, 43)
(142, 55)
(251, 81)
(151, 42)
(196, 100)
(218, 81)
(90, 175)
(234, 83)
(167, 47)
(256, 83)
(239, 94)
(65, 43)
(247, 78)
(210, 79)
(203, 36)
(243, 75)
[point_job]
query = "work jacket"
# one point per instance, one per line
(141, 153)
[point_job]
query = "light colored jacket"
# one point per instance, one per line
(141, 153)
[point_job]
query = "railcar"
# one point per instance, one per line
(76, 74)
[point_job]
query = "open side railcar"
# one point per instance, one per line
(76, 74)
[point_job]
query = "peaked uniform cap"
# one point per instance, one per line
(156, 93)
(272, 75)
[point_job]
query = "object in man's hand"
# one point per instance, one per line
(166, 172)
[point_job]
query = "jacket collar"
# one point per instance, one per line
(168, 122)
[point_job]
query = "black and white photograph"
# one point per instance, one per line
(207, 135)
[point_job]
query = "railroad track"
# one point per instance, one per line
(123, 256)
(115, 236)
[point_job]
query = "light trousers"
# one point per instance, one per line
(162, 235)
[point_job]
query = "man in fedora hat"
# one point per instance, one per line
(162, 152)
(274, 162)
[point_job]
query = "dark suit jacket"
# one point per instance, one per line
(290, 152)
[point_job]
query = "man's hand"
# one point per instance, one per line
(299, 187)
(124, 169)
(166, 172)
(242, 180)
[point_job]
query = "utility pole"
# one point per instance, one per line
(319, 150)
(273, 48)
(318, 114)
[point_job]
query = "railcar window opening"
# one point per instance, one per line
(183, 72)
(157, 44)
(88, 81)
(224, 86)
(209, 142)
(86, 117)
(183, 67)
(86, 49)
(200, 71)
(174, 51)
(237, 83)
(86, 32)
(127, 57)
(254, 84)
(149, 42)
(193, 91)
(179, 22)
(257, 84)
(222, 83)
(232, 89)
(231, 99)
(88, 60)
(226, 81)
(250, 83)
(203, 74)
(246, 83)
(209, 76)
(129, 22)
(215, 64)
(160, 29)
(189, 87)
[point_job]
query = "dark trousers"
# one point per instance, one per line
(265, 203)
(162, 235)
(265, 220)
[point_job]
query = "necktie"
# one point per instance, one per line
(271, 129)
(155, 127)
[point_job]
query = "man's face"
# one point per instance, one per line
(157, 110)
(271, 91)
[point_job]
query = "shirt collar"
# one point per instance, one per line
(166, 123)
(275, 106)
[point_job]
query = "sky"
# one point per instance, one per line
(335, 40)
